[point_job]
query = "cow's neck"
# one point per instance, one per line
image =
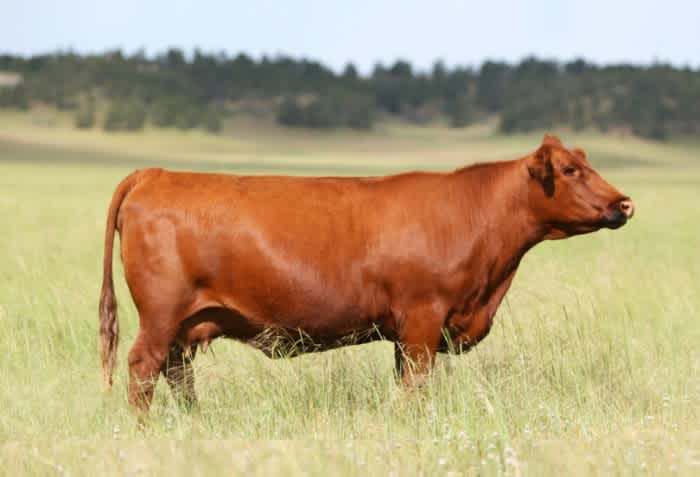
(498, 227)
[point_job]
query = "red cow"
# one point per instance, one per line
(295, 264)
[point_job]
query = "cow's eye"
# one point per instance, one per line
(569, 171)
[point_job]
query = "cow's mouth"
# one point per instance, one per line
(615, 224)
(614, 220)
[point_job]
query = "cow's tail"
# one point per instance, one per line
(109, 326)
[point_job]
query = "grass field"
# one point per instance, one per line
(592, 368)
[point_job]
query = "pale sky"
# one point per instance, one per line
(365, 31)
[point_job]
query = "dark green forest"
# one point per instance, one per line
(117, 91)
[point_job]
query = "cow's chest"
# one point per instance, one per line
(471, 322)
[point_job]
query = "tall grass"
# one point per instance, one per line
(591, 369)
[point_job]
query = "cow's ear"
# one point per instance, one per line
(541, 168)
(581, 154)
(552, 140)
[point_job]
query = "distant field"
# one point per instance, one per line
(592, 368)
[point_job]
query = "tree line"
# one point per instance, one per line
(176, 90)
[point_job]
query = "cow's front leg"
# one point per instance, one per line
(418, 342)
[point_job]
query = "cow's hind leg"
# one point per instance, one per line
(179, 373)
(146, 359)
(398, 361)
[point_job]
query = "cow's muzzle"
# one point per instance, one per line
(620, 212)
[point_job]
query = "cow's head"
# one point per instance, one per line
(568, 197)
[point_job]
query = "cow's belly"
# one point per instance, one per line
(272, 338)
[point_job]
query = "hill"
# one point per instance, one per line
(174, 90)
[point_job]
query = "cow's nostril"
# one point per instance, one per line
(627, 208)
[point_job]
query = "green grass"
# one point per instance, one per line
(592, 368)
